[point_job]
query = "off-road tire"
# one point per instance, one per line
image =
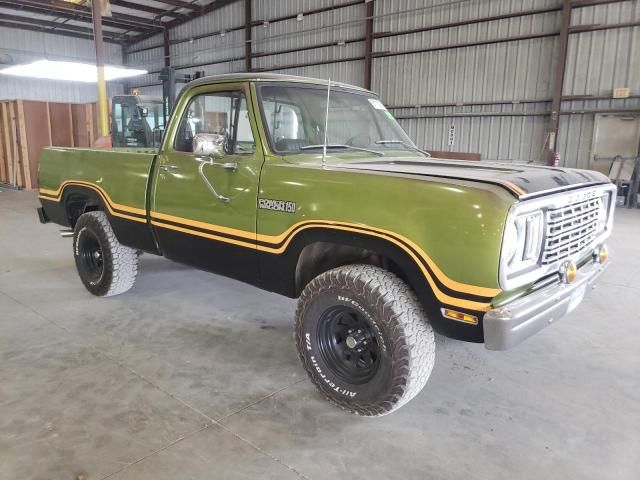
(119, 263)
(405, 338)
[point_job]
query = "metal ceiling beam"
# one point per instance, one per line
(58, 8)
(190, 16)
(66, 6)
(181, 4)
(42, 10)
(210, 7)
(159, 12)
(51, 24)
(66, 33)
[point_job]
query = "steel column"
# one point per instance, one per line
(561, 64)
(247, 35)
(125, 62)
(167, 47)
(368, 44)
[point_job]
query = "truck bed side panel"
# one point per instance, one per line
(114, 180)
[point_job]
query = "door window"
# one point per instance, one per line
(222, 113)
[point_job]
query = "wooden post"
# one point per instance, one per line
(24, 148)
(90, 124)
(49, 125)
(3, 154)
(7, 126)
(70, 126)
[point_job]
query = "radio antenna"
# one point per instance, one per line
(326, 124)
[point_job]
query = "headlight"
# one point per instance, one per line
(521, 246)
(603, 213)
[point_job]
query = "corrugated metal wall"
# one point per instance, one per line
(331, 27)
(597, 62)
(21, 46)
(506, 87)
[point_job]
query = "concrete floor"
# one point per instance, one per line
(193, 376)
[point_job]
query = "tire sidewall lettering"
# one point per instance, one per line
(328, 379)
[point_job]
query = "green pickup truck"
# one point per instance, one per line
(312, 190)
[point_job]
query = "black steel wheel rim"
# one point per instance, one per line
(91, 256)
(348, 345)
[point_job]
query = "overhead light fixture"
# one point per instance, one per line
(72, 71)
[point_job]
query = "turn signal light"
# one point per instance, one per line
(460, 316)
(601, 253)
(568, 271)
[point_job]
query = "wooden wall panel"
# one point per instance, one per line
(94, 119)
(4, 155)
(37, 137)
(61, 123)
(8, 130)
(27, 126)
(455, 155)
(81, 124)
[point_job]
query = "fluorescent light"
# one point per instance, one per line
(78, 72)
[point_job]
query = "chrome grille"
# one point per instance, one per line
(571, 229)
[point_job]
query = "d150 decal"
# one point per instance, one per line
(277, 205)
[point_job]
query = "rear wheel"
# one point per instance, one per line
(363, 339)
(105, 266)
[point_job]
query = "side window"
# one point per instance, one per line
(117, 118)
(222, 113)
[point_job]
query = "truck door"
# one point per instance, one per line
(203, 201)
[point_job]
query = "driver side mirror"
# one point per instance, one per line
(208, 144)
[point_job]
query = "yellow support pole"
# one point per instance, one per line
(103, 104)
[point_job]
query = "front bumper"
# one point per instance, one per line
(510, 324)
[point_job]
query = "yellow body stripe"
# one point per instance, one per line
(468, 304)
(454, 285)
(105, 196)
(514, 187)
(393, 237)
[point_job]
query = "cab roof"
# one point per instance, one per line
(267, 77)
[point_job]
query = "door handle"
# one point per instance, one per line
(209, 161)
(167, 167)
(233, 166)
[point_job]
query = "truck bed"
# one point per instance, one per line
(73, 180)
(120, 176)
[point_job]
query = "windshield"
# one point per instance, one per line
(358, 122)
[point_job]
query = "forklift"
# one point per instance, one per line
(139, 121)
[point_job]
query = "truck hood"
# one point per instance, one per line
(523, 181)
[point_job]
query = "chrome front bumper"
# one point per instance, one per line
(512, 323)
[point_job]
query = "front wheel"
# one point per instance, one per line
(106, 267)
(363, 339)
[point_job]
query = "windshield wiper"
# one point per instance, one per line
(345, 147)
(405, 144)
